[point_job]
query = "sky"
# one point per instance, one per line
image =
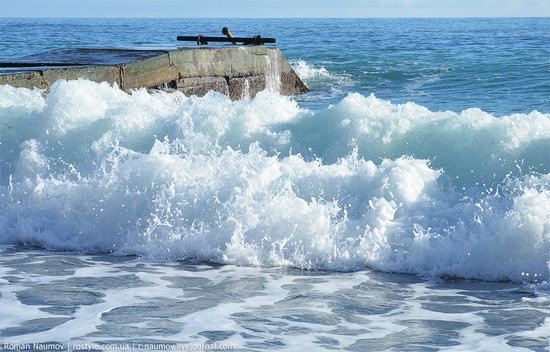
(274, 8)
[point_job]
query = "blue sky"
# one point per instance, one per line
(274, 8)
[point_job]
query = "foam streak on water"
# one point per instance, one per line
(104, 299)
(361, 184)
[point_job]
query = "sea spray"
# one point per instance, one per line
(364, 183)
(319, 79)
(307, 71)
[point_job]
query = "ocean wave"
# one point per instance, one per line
(318, 76)
(307, 71)
(363, 183)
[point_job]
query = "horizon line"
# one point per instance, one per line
(276, 18)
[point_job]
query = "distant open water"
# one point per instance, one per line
(498, 65)
(283, 223)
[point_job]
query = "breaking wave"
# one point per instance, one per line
(363, 183)
(316, 76)
(307, 71)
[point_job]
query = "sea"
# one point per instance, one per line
(401, 205)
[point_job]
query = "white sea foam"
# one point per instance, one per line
(364, 183)
(307, 71)
(316, 76)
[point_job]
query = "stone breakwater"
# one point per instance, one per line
(236, 71)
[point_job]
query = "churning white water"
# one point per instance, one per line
(363, 183)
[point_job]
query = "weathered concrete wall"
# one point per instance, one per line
(236, 71)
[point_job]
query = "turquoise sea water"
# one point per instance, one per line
(498, 65)
(402, 204)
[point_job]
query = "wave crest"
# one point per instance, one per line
(364, 183)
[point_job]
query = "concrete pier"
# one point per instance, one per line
(237, 71)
